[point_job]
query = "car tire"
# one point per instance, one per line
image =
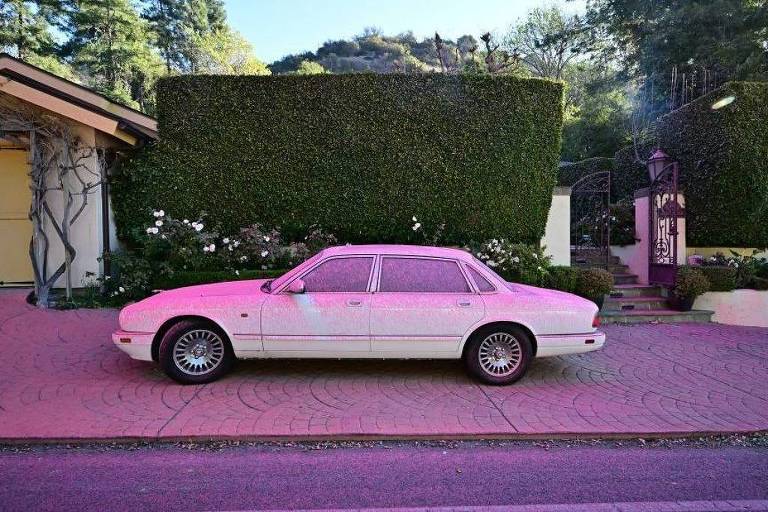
(195, 352)
(498, 355)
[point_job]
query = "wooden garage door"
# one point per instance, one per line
(15, 226)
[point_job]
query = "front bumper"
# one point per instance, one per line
(561, 344)
(138, 345)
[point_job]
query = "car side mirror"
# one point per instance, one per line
(296, 286)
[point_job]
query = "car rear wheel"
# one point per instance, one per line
(499, 355)
(195, 352)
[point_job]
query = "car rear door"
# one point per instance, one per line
(422, 306)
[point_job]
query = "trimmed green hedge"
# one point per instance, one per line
(359, 154)
(721, 279)
(723, 155)
(570, 172)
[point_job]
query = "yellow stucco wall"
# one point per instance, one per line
(15, 226)
(711, 251)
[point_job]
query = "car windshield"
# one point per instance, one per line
(275, 284)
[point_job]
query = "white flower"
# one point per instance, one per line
(206, 249)
(416, 226)
(414, 219)
(490, 263)
(230, 248)
(266, 239)
(236, 243)
(212, 247)
(107, 278)
(243, 258)
(149, 230)
(185, 221)
(122, 290)
(515, 260)
(226, 241)
(535, 256)
(237, 272)
(158, 223)
(199, 227)
(263, 267)
(153, 230)
(162, 213)
(156, 213)
(163, 237)
(479, 255)
(264, 254)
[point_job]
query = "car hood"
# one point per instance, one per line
(246, 287)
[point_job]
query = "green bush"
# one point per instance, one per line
(359, 154)
(562, 278)
(594, 283)
(190, 278)
(721, 279)
(723, 155)
(690, 282)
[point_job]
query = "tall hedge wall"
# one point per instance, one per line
(723, 155)
(359, 154)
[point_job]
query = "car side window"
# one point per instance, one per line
(481, 282)
(423, 275)
(339, 275)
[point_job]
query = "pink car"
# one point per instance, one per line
(365, 301)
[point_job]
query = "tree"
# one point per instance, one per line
(224, 52)
(308, 67)
(165, 21)
(109, 46)
(547, 41)
(25, 32)
(683, 48)
(597, 113)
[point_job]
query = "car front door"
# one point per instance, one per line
(331, 316)
(422, 306)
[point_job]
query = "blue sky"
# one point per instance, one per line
(279, 27)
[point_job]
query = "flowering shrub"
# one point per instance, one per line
(428, 235)
(169, 246)
(750, 271)
(521, 263)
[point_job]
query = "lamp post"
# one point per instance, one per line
(657, 163)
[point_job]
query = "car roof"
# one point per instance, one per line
(400, 250)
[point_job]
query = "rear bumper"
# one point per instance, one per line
(561, 344)
(138, 345)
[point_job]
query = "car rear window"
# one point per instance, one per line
(421, 275)
(340, 275)
(481, 282)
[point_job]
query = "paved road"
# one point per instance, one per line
(65, 379)
(404, 475)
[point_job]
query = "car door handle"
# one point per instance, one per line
(464, 303)
(354, 303)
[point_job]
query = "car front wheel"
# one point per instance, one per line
(195, 352)
(499, 355)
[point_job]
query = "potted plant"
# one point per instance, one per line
(594, 284)
(689, 284)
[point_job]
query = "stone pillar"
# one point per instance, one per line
(638, 259)
(557, 234)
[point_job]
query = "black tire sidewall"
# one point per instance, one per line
(472, 360)
(165, 353)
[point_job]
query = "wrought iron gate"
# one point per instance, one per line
(663, 211)
(591, 219)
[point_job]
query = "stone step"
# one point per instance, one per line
(624, 279)
(614, 269)
(639, 303)
(634, 290)
(665, 316)
(581, 259)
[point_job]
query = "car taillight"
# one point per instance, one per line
(596, 320)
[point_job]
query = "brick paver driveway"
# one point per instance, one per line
(62, 378)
